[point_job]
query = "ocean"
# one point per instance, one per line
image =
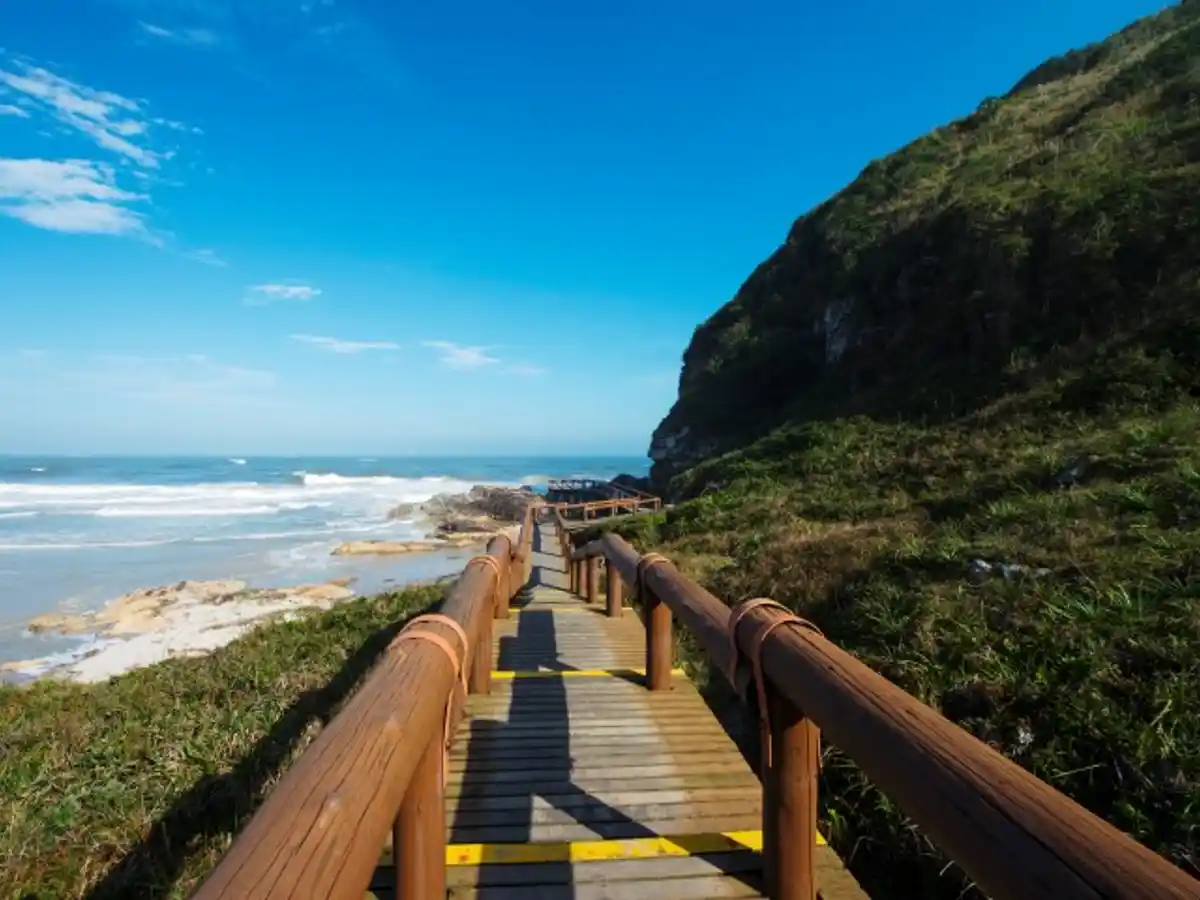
(78, 532)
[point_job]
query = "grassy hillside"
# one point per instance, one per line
(1057, 216)
(134, 788)
(955, 421)
(1075, 650)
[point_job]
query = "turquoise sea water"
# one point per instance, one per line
(77, 532)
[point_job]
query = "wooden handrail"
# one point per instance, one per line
(378, 765)
(591, 506)
(1014, 835)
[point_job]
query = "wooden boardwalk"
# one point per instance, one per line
(571, 780)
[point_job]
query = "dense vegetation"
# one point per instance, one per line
(954, 420)
(1061, 214)
(134, 788)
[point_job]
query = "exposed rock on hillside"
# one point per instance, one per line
(1057, 216)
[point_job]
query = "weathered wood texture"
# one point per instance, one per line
(587, 757)
(1016, 836)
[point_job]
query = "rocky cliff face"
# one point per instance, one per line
(1058, 215)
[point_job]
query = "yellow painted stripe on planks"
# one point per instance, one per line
(509, 674)
(597, 851)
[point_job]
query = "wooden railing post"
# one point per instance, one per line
(419, 835)
(789, 809)
(504, 588)
(479, 678)
(612, 591)
(658, 641)
(593, 579)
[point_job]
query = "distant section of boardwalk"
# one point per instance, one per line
(571, 780)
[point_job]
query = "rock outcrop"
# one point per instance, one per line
(155, 609)
(482, 510)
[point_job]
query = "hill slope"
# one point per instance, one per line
(954, 421)
(1058, 215)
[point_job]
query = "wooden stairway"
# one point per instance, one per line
(571, 780)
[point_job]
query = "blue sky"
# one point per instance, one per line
(305, 226)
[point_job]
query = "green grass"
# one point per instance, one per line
(1087, 675)
(135, 787)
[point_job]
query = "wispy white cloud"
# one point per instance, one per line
(269, 293)
(74, 195)
(337, 31)
(196, 37)
(108, 119)
(528, 370)
(455, 356)
(177, 126)
(206, 256)
(155, 30)
(337, 345)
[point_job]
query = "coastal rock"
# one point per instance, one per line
(59, 623)
(469, 525)
(188, 619)
(484, 507)
(468, 538)
(404, 511)
(383, 548)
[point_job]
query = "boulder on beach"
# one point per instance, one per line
(488, 508)
(384, 548)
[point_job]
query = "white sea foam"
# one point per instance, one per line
(237, 461)
(227, 499)
(83, 545)
(182, 512)
(138, 515)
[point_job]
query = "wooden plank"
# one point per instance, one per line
(496, 737)
(512, 730)
(698, 888)
(734, 862)
(609, 831)
(599, 812)
(584, 767)
(607, 773)
(555, 717)
(551, 747)
(556, 784)
(577, 800)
